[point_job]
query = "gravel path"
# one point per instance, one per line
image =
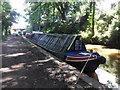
(23, 66)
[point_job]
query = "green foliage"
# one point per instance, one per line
(3, 38)
(107, 28)
(8, 17)
(58, 17)
(95, 25)
(103, 23)
(115, 39)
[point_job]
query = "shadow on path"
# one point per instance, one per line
(23, 66)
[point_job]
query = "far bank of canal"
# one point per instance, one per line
(111, 68)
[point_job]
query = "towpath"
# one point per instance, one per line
(23, 66)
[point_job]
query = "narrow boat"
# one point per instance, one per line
(69, 48)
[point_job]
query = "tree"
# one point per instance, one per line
(93, 15)
(91, 10)
(114, 40)
(58, 17)
(8, 17)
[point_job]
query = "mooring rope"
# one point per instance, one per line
(82, 69)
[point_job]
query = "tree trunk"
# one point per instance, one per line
(6, 31)
(62, 10)
(93, 15)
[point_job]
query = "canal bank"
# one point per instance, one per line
(25, 65)
(109, 73)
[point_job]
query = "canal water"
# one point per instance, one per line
(108, 73)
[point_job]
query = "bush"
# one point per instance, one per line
(114, 40)
(3, 38)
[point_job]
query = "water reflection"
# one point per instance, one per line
(112, 56)
(118, 71)
(113, 66)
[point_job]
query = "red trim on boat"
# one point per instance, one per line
(84, 58)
